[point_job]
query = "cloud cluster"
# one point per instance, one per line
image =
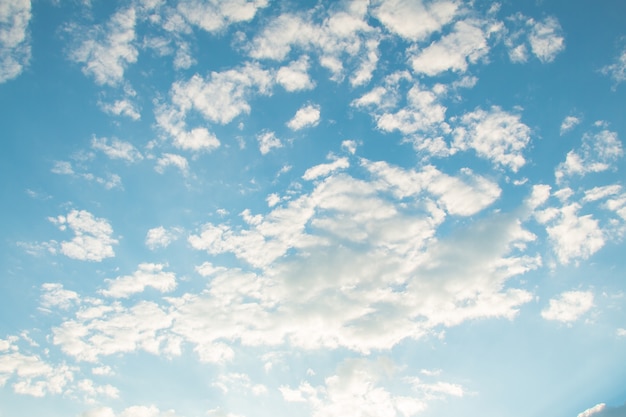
(14, 46)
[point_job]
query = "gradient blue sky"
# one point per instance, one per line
(256, 208)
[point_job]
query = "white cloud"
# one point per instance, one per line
(168, 159)
(294, 77)
(568, 124)
(92, 236)
(546, 39)
(107, 51)
(569, 306)
(306, 116)
(415, 20)
(15, 49)
(495, 135)
(598, 408)
(598, 193)
(172, 121)
(122, 108)
(617, 70)
(147, 275)
(268, 141)
(620, 332)
(349, 146)
(325, 169)
(597, 153)
(54, 295)
(133, 411)
(215, 15)
(160, 237)
(572, 236)
(454, 51)
(223, 95)
(117, 149)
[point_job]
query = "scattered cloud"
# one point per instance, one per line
(117, 149)
(307, 116)
(215, 16)
(495, 135)
(55, 296)
(617, 70)
(597, 153)
(546, 39)
(268, 141)
(569, 306)
(598, 408)
(160, 237)
(294, 77)
(15, 48)
(122, 107)
(325, 169)
(415, 20)
(169, 159)
(147, 275)
(568, 124)
(106, 51)
(92, 240)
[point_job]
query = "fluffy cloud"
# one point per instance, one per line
(117, 149)
(602, 410)
(133, 411)
(617, 70)
(568, 124)
(108, 50)
(169, 159)
(92, 240)
(307, 116)
(325, 169)
(54, 295)
(596, 154)
(216, 15)
(546, 39)
(14, 46)
(455, 51)
(495, 135)
(172, 121)
(569, 306)
(122, 108)
(160, 237)
(294, 77)
(268, 141)
(415, 20)
(147, 275)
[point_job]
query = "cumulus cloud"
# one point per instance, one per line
(14, 43)
(214, 16)
(92, 240)
(325, 169)
(568, 124)
(597, 153)
(294, 77)
(569, 306)
(415, 20)
(546, 39)
(147, 275)
(160, 237)
(172, 121)
(117, 149)
(496, 135)
(54, 295)
(133, 411)
(617, 70)
(122, 108)
(268, 141)
(453, 52)
(106, 51)
(307, 116)
(169, 159)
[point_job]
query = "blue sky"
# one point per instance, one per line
(259, 208)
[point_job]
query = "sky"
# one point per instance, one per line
(250, 208)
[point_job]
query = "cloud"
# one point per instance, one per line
(569, 306)
(325, 169)
(454, 51)
(172, 121)
(117, 149)
(268, 141)
(568, 124)
(54, 295)
(617, 70)
(572, 236)
(133, 411)
(602, 410)
(214, 16)
(546, 39)
(107, 51)
(122, 108)
(596, 154)
(415, 20)
(306, 116)
(596, 409)
(15, 49)
(160, 237)
(147, 275)
(294, 77)
(169, 159)
(495, 135)
(92, 236)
